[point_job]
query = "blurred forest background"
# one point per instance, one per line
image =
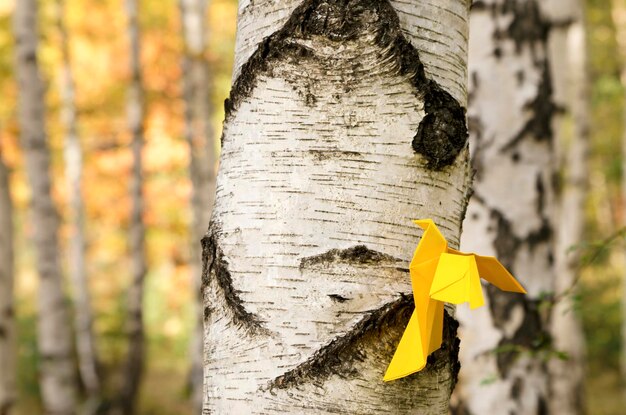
(97, 38)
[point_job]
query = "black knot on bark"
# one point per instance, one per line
(341, 19)
(441, 136)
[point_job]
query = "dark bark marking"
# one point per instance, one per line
(506, 242)
(542, 406)
(541, 194)
(542, 109)
(338, 298)
(321, 155)
(459, 408)
(215, 268)
(478, 5)
(442, 133)
(359, 254)
(381, 328)
(532, 334)
(528, 26)
(207, 312)
(517, 388)
(7, 407)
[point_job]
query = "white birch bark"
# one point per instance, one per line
(83, 315)
(8, 351)
(569, 60)
(133, 369)
(619, 19)
(512, 114)
(54, 337)
(202, 158)
(336, 137)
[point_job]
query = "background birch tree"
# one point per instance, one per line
(83, 315)
(54, 337)
(517, 49)
(345, 121)
(135, 324)
(202, 159)
(8, 342)
(568, 48)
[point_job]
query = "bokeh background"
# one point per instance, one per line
(99, 47)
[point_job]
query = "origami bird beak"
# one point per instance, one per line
(424, 223)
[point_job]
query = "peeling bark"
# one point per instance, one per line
(202, 159)
(337, 134)
(515, 108)
(8, 350)
(83, 315)
(54, 337)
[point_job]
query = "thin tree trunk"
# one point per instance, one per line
(512, 116)
(135, 328)
(83, 318)
(619, 19)
(199, 135)
(345, 121)
(569, 60)
(56, 372)
(8, 355)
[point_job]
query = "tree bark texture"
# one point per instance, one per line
(345, 121)
(514, 110)
(54, 337)
(202, 159)
(571, 93)
(135, 325)
(83, 315)
(8, 351)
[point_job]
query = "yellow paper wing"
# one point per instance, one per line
(476, 290)
(450, 283)
(456, 281)
(409, 356)
(495, 273)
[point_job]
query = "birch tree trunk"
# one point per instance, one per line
(54, 337)
(135, 329)
(83, 318)
(345, 121)
(8, 355)
(512, 114)
(569, 61)
(619, 19)
(202, 159)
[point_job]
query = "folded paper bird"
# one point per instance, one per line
(440, 274)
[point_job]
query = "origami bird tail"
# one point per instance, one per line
(410, 356)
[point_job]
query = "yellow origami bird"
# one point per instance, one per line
(440, 274)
